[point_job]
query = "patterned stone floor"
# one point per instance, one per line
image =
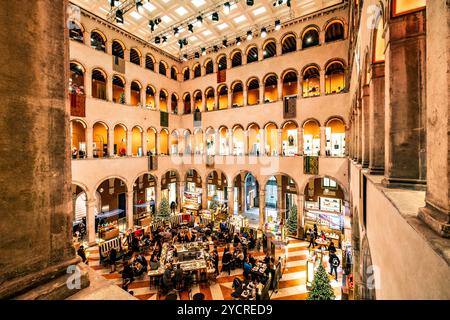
(292, 285)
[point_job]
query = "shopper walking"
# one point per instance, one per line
(334, 264)
(311, 238)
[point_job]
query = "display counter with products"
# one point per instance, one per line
(331, 223)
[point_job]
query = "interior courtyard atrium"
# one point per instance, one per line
(225, 150)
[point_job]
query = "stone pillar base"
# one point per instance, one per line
(437, 220)
(376, 170)
(412, 184)
(48, 284)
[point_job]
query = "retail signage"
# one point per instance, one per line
(222, 76)
(311, 165)
(330, 204)
(77, 105)
(164, 119)
(197, 119)
(290, 107)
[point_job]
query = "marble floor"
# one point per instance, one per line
(292, 285)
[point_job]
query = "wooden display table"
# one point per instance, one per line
(145, 221)
(110, 234)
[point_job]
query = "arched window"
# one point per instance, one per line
(162, 68)
(100, 139)
(379, 44)
(98, 41)
(135, 57)
(335, 134)
(197, 70)
(118, 90)
(187, 103)
(120, 140)
(310, 38)
(252, 54)
(254, 140)
(76, 80)
(98, 84)
(198, 105)
(290, 86)
(238, 141)
(164, 142)
(78, 141)
(163, 100)
(174, 103)
(334, 77)
(253, 92)
(289, 139)
(270, 49)
(149, 62)
(174, 142)
(271, 139)
(151, 140)
(222, 63)
(150, 98)
(222, 93)
(135, 93)
(210, 103)
(118, 49)
(209, 67)
(75, 32)
(334, 31)
(270, 88)
(311, 82)
(288, 43)
(136, 142)
(311, 138)
(236, 59)
(237, 95)
(173, 73)
(186, 74)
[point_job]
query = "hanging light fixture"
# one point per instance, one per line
(200, 20)
(119, 16)
(176, 32)
(238, 41)
(249, 35)
(139, 6)
(277, 25)
(250, 3)
(203, 51)
(157, 40)
(226, 7)
(263, 32)
(215, 16)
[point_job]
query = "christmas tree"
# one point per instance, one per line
(164, 210)
(122, 98)
(291, 222)
(321, 288)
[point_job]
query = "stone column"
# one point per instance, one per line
(88, 83)
(365, 126)
(230, 202)
(262, 142)
(437, 211)
(36, 222)
(130, 209)
(89, 142)
(245, 142)
(243, 198)
(129, 142)
(157, 100)
(358, 134)
(300, 226)
(158, 194)
(262, 208)
(323, 141)
(279, 142)
(144, 142)
(110, 142)
(230, 99)
(158, 143)
(217, 143)
(244, 97)
(205, 194)
(280, 199)
(181, 196)
(300, 141)
(280, 89)
(405, 158)
(230, 141)
(109, 89)
(376, 120)
(322, 82)
(90, 221)
(261, 93)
